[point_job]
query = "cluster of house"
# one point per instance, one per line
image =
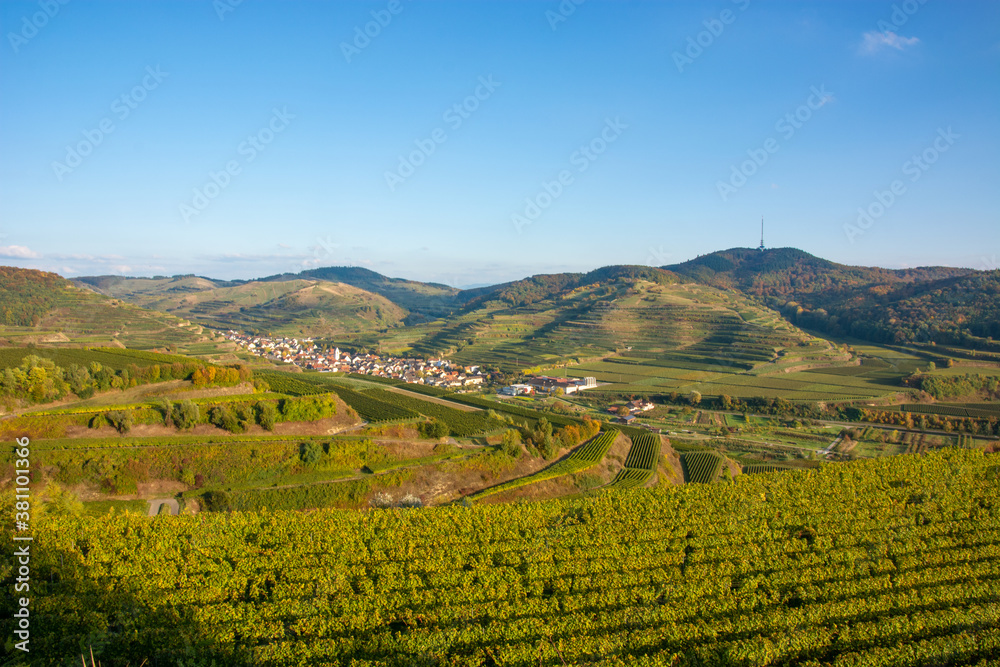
(543, 384)
(306, 354)
(627, 413)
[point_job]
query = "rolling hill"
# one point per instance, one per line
(640, 314)
(552, 317)
(421, 300)
(41, 307)
(294, 307)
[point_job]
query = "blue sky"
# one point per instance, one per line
(241, 139)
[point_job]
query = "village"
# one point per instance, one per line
(307, 355)
(435, 372)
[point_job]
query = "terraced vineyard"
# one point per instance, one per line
(79, 316)
(879, 562)
(583, 457)
(758, 468)
(640, 462)
(658, 326)
(371, 408)
(701, 467)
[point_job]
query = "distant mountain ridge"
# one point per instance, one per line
(941, 304)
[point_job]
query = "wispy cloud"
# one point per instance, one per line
(875, 41)
(18, 252)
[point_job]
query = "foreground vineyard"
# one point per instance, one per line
(640, 463)
(583, 457)
(880, 562)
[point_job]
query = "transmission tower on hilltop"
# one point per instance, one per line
(761, 247)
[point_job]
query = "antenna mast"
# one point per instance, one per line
(761, 248)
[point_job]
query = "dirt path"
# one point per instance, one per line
(431, 399)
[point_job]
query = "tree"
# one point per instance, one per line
(165, 409)
(434, 429)
(511, 443)
(267, 415)
(186, 414)
(224, 418)
(120, 419)
(217, 501)
(694, 397)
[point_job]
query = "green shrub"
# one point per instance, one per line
(267, 415)
(186, 414)
(224, 418)
(434, 429)
(216, 501)
(311, 452)
(120, 419)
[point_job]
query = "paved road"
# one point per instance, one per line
(154, 506)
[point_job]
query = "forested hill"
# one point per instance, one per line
(26, 295)
(793, 272)
(426, 299)
(940, 304)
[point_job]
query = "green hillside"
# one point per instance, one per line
(53, 311)
(421, 300)
(570, 318)
(293, 307)
(26, 295)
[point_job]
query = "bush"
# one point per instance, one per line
(224, 418)
(434, 429)
(311, 452)
(120, 419)
(166, 410)
(267, 415)
(511, 443)
(381, 500)
(216, 501)
(186, 414)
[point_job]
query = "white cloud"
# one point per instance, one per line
(18, 252)
(875, 41)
